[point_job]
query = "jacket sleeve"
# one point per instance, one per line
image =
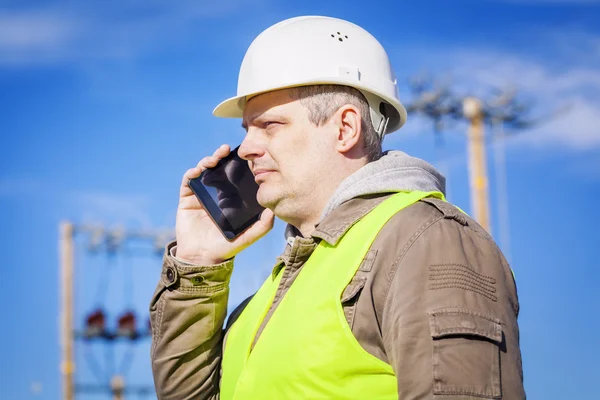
(450, 318)
(187, 313)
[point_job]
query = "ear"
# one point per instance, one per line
(349, 125)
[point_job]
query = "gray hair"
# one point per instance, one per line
(322, 101)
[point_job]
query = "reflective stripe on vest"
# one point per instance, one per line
(307, 349)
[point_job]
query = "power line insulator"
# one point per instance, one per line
(126, 325)
(95, 324)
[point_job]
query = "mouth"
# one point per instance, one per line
(261, 174)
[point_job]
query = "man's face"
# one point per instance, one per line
(288, 154)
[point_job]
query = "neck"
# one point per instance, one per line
(316, 202)
(306, 220)
(306, 228)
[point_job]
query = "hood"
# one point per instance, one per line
(396, 171)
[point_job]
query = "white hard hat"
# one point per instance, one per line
(316, 50)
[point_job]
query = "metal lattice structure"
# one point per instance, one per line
(439, 103)
(127, 328)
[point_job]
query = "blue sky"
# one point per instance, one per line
(104, 105)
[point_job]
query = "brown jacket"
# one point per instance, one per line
(434, 298)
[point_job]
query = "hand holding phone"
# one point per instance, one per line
(228, 193)
(200, 240)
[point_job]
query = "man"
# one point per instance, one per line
(383, 291)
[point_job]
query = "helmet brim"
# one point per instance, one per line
(233, 107)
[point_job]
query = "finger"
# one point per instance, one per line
(222, 151)
(206, 162)
(267, 217)
(184, 189)
(259, 229)
(191, 174)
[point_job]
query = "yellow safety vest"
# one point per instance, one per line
(307, 349)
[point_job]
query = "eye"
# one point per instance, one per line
(271, 123)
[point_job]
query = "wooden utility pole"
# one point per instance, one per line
(440, 104)
(109, 241)
(66, 304)
(473, 111)
(117, 385)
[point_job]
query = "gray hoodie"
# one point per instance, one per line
(395, 171)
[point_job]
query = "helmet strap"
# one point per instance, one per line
(383, 123)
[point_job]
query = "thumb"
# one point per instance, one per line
(265, 223)
(267, 218)
(260, 228)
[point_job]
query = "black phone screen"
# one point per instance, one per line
(228, 193)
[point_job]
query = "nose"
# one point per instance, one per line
(251, 148)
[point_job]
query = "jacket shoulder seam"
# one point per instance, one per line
(391, 274)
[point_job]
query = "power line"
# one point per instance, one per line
(439, 103)
(99, 239)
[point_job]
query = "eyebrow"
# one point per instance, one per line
(251, 119)
(259, 117)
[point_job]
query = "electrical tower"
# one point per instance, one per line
(128, 328)
(440, 104)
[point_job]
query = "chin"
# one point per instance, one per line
(267, 198)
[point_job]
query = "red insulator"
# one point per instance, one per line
(95, 324)
(126, 325)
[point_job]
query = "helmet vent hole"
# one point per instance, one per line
(340, 36)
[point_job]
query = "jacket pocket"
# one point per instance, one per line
(350, 298)
(466, 353)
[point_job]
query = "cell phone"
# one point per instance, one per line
(228, 194)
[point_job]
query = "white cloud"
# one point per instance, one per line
(110, 208)
(576, 89)
(541, 2)
(90, 207)
(578, 129)
(587, 167)
(38, 37)
(500, 69)
(564, 80)
(109, 29)
(33, 31)
(13, 187)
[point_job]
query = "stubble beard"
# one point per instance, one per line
(279, 199)
(267, 196)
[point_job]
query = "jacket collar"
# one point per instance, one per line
(330, 229)
(340, 220)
